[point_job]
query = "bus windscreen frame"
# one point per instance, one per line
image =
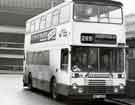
(98, 17)
(97, 59)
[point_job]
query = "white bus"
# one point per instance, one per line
(77, 49)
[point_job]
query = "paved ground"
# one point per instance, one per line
(12, 93)
(129, 101)
(10, 72)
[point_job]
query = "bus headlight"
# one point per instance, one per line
(121, 86)
(80, 90)
(74, 86)
(123, 75)
(116, 90)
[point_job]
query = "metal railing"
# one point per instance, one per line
(11, 67)
(11, 45)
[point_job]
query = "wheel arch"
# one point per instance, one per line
(29, 74)
(51, 80)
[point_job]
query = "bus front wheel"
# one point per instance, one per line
(53, 87)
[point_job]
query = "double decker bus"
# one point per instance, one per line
(77, 49)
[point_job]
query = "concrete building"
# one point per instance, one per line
(14, 13)
(130, 34)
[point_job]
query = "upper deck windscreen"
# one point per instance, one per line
(101, 13)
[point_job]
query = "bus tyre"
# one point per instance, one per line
(24, 84)
(30, 82)
(54, 94)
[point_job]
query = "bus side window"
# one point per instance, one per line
(64, 59)
(42, 22)
(55, 17)
(32, 26)
(48, 20)
(37, 23)
(65, 14)
(28, 28)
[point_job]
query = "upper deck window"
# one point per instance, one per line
(43, 22)
(65, 14)
(98, 13)
(28, 27)
(48, 20)
(55, 17)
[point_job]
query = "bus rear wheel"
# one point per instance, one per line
(54, 94)
(30, 82)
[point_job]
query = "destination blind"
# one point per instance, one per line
(98, 38)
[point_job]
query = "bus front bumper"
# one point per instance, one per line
(89, 92)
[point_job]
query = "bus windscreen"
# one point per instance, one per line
(98, 13)
(91, 59)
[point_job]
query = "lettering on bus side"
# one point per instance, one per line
(63, 33)
(48, 35)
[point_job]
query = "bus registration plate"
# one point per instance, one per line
(99, 96)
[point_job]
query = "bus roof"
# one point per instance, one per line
(102, 2)
(47, 11)
(105, 2)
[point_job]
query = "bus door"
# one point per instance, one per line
(64, 65)
(64, 59)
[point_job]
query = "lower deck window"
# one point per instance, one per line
(38, 58)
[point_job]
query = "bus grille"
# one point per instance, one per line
(96, 86)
